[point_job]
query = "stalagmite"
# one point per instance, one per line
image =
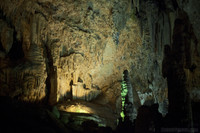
(129, 102)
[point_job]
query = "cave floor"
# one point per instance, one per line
(70, 116)
(83, 111)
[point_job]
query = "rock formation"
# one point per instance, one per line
(74, 46)
(174, 38)
(53, 51)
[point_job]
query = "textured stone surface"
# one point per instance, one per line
(78, 49)
(103, 115)
(173, 31)
(68, 49)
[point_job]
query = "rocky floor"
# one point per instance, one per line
(23, 117)
(80, 116)
(82, 111)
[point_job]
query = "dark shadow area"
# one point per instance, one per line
(51, 80)
(25, 117)
(1, 47)
(16, 52)
(196, 115)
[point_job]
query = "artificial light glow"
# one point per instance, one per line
(124, 92)
(81, 111)
(77, 108)
(122, 115)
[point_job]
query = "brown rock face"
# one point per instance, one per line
(173, 28)
(60, 50)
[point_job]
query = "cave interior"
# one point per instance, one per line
(100, 66)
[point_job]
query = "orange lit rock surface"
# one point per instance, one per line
(58, 50)
(78, 48)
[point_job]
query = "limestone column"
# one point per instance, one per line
(129, 105)
(53, 86)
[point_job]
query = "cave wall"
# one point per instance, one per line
(171, 28)
(159, 22)
(68, 49)
(78, 49)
